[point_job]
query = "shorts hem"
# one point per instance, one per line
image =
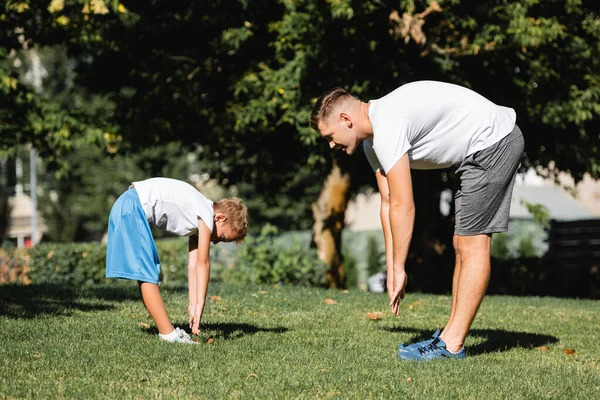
(481, 231)
(133, 277)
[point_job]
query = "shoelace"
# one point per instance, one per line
(184, 335)
(428, 349)
(181, 333)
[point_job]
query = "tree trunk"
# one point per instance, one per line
(328, 212)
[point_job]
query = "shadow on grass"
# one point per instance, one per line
(125, 289)
(225, 330)
(114, 292)
(18, 301)
(494, 340)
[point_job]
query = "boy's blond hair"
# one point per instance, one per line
(237, 215)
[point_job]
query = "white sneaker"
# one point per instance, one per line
(180, 336)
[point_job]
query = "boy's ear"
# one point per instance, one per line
(220, 217)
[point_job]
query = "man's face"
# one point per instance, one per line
(222, 232)
(339, 133)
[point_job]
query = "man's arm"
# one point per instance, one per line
(402, 218)
(198, 275)
(384, 214)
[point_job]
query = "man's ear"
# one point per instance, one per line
(346, 120)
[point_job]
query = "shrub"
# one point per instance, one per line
(350, 268)
(173, 256)
(375, 258)
(260, 260)
(14, 266)
(68, 263)
(81, 263)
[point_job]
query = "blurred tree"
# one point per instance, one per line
(40, 105)
(239, 78)
(76, 207)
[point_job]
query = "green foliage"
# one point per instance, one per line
(76, 264)
(76, 206)
(173, 256)
(350, 268)
(526, 248)
(242, 87)
(70, 264)
(499, 249)
(541, 214)
(375, 258)
(260, 260)
(518, 244)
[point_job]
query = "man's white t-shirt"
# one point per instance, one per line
(438, 124)
(174, 205)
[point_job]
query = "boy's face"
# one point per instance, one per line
(222, 232)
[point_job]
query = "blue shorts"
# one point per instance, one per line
(130, 250)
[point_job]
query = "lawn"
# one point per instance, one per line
(287, 342)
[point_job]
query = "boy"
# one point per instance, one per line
(176, 207)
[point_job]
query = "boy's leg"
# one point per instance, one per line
(154, 304)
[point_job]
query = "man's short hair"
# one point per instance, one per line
(325, 105)
(237, 216)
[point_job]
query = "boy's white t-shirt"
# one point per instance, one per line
(438, 124)
(174, 205)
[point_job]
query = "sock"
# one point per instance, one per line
(171, 335)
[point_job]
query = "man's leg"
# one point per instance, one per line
(455, 278)
(473, 263)
(156, 308)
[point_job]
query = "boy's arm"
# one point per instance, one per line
(402, 218)
(192, 285)
(198, 275)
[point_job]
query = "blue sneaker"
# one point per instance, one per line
(432, 351)
(409, 347)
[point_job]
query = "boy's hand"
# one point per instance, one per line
(194, 318)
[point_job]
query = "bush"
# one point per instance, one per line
(14, 266)
(375, 257)
(173, 256)
(81, 263)
(260, 260)
(350, 268)
(69, 263)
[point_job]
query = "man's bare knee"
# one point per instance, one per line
(468, 246)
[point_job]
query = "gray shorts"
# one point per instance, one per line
(487, 177)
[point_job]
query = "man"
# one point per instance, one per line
(432, 125)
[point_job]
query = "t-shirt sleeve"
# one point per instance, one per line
(390, 143)
(206, 214)
(371, 156)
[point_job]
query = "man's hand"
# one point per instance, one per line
(400, 281)
(194, 318)
(390, 286)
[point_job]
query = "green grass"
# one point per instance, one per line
(284, 342)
